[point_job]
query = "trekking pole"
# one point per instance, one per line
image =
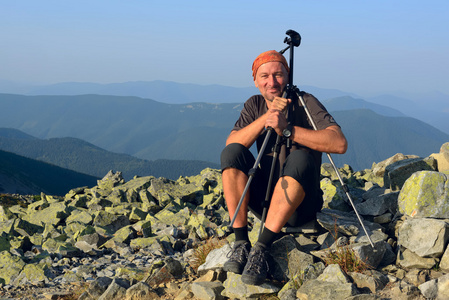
(344, 186)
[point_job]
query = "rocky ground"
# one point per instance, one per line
(154, 238)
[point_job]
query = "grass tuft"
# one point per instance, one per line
(202, 251)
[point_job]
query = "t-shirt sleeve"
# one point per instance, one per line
(321, 116)
(248, 114)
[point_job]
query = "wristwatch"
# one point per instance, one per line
(287, 132)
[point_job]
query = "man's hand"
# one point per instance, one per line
(276, 120)
(279, 103)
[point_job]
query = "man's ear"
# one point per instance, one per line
(255, 83)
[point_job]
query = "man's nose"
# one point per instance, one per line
(273, 80)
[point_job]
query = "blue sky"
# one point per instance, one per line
(365, 47)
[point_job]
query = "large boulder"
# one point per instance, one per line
(397, 173)
(425, 237)
(426, 195)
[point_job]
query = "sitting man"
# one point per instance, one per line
(296, 197)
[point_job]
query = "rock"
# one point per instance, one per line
(235, 288)
(111, 180)
(397, 173)
(429, 289)
(333, 273)
(30, 274)
(425, 237)
(207, 290)
(443, 287)
(317, 289)
(115, 291)
(370, 279)
(139, 291)
(425, 195)
(368, 254)
(409, 259)
(378, 203)
(333, 195)
(215, 259)
(10, 267)
(344, 222)
(151, 239)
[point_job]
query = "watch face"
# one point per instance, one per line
(286, 132)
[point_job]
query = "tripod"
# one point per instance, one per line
(293, 40)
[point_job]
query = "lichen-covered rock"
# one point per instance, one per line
(333, 195)
(10, 267)
(425, 195)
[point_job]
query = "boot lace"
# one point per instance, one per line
(239, 253)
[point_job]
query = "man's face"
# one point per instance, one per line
(271, 79)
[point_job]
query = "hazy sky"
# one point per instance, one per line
(356, 46)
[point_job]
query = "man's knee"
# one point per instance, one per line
(236, 156)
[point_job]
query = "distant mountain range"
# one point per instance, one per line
(161, 91)
(431, 107)
(154, 131)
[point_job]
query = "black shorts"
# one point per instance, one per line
(299, 165)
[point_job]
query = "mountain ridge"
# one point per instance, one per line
(150, 130)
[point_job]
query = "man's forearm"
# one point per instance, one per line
(248, 135)
(330, 140)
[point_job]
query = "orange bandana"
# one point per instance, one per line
(268, 56)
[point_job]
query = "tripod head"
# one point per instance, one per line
(293, 41)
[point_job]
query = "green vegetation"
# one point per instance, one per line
(201, 252)
(31, 176)
(83, 157)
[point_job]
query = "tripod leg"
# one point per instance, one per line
(345, 188)
(251, 176)
(270, 183)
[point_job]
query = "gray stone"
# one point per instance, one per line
(425, 237)
(409, 260)
(115, 291)
(280, 250)
(317, 289)
(370, 279)
(378, 205)
(368, 254)
(235, 288)
(215, 259)
(208, 290)
(345, 222)
(444, 263)
(429, 289)
(333, 273)
(443, 287)
(398, 172)
(140, 291)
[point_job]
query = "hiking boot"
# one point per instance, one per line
(256, 269)
(237, 257)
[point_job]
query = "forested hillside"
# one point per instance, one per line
(27, 176)
(80, 156)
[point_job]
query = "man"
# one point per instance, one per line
(296, 195)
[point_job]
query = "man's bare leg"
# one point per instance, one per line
(287, 196)
(234, 182)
